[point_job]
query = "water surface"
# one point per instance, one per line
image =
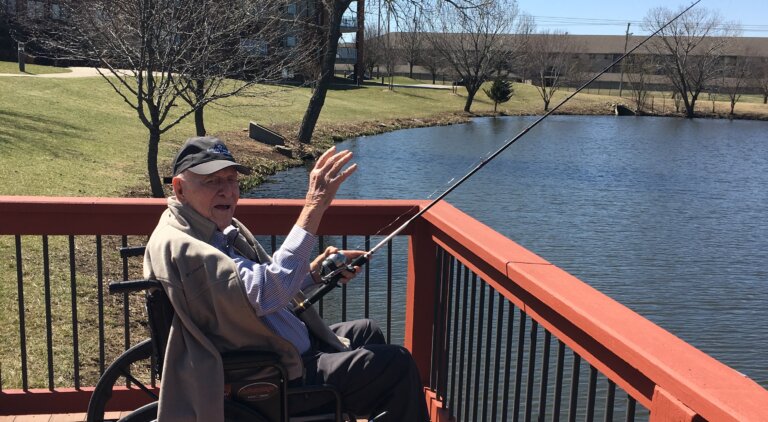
(667, 216)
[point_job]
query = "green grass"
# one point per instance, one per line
(77, 137)
(30, 69)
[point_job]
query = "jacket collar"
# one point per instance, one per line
(190, 221)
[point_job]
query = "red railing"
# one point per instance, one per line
(670, 378)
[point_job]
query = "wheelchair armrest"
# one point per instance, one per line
(130, 251)
(129, 286)
(239, 358)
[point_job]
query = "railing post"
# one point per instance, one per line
(419, 306)
(666, 408)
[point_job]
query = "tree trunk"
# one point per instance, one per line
(199, 122)
(155, 183)
(690, 108)
(410, 70)
(317, 101)
(765, 98)
(471, 91)
(200, 94)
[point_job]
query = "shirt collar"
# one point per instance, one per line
(224, 240)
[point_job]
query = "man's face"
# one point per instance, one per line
(214, 196)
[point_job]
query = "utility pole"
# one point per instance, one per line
(360, 41)
(390, 58)
(378, 45)
(626, 40)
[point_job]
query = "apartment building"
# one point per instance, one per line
(311, 12)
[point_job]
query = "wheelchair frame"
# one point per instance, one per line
(247, 398)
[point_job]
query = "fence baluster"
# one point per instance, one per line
(73, 290)
(531, 370)
(558, 381)
(544, 375)
(48, 315)
(499, 333)
(591, 394)
(573, 409)
(519, 367)
(488, 338)
(22, 313)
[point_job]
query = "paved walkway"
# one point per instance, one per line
(76, 72)
(423, 86)
(87, 72)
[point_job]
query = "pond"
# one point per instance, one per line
(667, 216)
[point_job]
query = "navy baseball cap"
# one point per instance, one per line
(205, 155)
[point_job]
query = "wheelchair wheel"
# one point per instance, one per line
(146, 413)
(133, 365)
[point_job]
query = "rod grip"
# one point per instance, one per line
(328, 285)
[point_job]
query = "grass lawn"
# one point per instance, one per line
(77, 137)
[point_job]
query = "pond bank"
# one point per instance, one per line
(266, 160)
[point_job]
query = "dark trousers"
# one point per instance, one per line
(373, 378)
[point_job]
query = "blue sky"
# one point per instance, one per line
(600, 17)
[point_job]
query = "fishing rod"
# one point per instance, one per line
(333, 266)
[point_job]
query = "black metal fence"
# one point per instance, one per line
(61, 328)
(493, 362)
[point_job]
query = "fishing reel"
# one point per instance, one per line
(331, 270)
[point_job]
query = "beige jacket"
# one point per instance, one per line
(213, 314)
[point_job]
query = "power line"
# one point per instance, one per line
(571, 21)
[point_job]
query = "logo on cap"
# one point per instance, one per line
(220, 149)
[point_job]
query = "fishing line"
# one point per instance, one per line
(334, 265)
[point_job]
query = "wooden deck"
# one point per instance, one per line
(66, 417)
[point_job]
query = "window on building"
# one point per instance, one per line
(56, 12)
(35, 9)
(291, 9)
(254, 47)
(290, 41)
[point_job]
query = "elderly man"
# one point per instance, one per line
(228, 294)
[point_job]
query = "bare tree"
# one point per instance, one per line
(549, 62)
(473, 41)
(689, 50)
(374, 51)
(638, 69)
(760, 74)
(411, 39)
(331, 30)
(433, 61)
(736, 75)
(157, 54)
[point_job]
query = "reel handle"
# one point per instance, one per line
(331, 270)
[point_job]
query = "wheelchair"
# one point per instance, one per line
(256, 384)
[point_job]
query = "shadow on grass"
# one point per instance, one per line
(32, 123)
(343, 87)
(409, 92)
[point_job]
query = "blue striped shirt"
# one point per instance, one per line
(271, 286)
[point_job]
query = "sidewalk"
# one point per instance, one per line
(76, 72)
